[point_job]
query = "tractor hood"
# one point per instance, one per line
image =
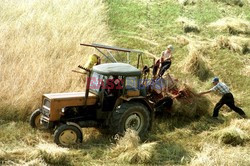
(67, 95)
(77, 98)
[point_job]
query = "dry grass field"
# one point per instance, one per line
(40, 45)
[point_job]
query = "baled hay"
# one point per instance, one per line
(232, 25)
(232, 2)
(215, 155)
(187, 2)
(129, 149)
(188, 25)
(196, 63)
(234, 43)
(231, 135)
(191, 104)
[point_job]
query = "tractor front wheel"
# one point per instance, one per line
(66, 135)
(35, 119)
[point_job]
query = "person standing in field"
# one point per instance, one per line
(227, 98)
(165, 60)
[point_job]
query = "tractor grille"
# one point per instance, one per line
(46, 103)
(45, 112)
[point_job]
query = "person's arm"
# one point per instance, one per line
(170, 57)
(205, 92)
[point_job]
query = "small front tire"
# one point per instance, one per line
(35, 119)
(67, 135)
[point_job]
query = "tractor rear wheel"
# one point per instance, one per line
(66, 135)
(130, 115)
(35, 119)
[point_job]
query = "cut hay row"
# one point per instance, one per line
(188, 25)
(40, 46)
(130, 150)
(214, 154)
(232, 2)
(232, 25)
(42, 154)
(187, 2)
(234, 43)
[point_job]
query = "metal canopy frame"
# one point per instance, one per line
(111, 57)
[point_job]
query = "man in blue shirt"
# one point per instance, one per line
(227, 98)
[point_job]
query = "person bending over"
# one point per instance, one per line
(227, 98)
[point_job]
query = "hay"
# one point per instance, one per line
(234, 43)
(246, 71)
(190, 104)
(53, 154)
(188, 25)
(243, 124)
(214, 154)
(231, 135)
(196, 63)
(231, 2)
(187, 2)
(129, 149)
(232, 25)
(183, 40)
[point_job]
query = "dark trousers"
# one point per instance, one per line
(165, 65)
(227, 99)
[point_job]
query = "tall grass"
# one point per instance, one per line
(40, 45)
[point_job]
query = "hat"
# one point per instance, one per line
(170, 47)
(215, 79)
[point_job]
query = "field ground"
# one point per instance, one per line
(39, 47)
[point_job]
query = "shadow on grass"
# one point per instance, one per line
(171, 153)
(167, 123)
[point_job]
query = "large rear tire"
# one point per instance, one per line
(67, 135)
(130, 115)
(35, 119)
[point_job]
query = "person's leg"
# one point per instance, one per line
(217, 108)
(230, 104)
(164, 68)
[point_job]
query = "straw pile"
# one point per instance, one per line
(231, 2)
(237, 133)
(187, 2)
(188, 25)
(128, 149)
(190, 104)
(232, 25)
(232, 135)
(214, 154)
(54, 155)
(196, 63)
(234, 43)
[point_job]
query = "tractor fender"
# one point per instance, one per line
(76, 125)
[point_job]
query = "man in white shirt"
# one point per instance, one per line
(227, 98)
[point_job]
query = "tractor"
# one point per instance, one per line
(114, 99)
